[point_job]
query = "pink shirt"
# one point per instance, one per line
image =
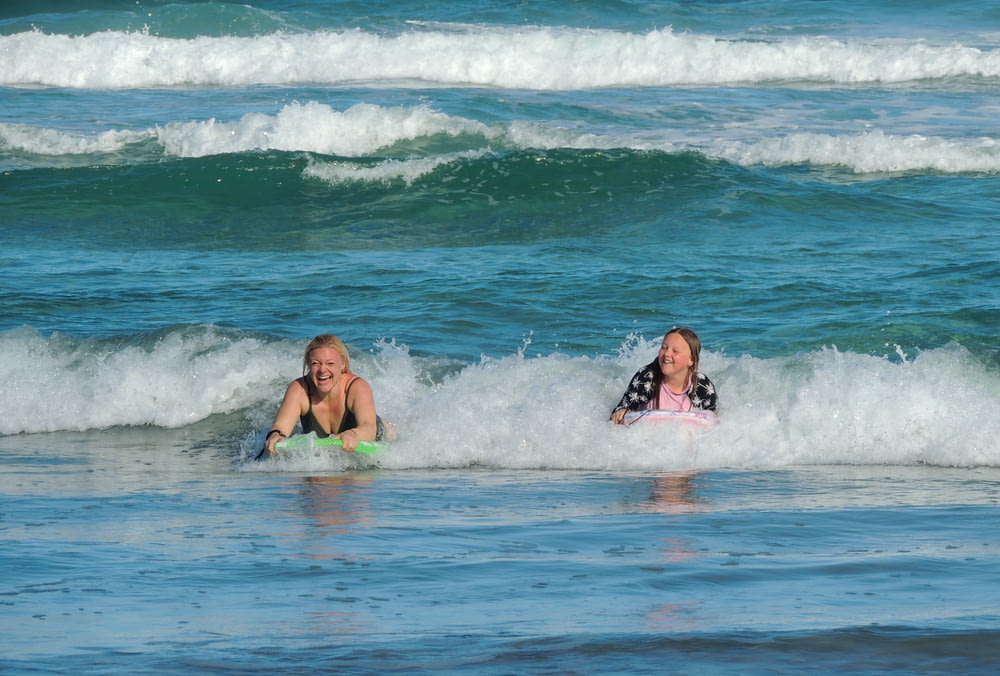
(665, 400)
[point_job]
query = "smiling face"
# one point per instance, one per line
(326, 366)
(675, 360)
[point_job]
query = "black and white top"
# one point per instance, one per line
(646, 383)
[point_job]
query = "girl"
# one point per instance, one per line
(671, 381)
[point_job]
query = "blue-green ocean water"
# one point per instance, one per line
(501, 207)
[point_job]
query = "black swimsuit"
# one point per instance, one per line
(349, 421)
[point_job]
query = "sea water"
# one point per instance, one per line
(501, 208)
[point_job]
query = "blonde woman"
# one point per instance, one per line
(328, 400)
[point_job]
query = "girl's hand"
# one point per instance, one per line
(618, 416)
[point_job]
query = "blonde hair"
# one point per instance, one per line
(326, 340)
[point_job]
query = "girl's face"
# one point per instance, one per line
(675, 357)
(325, 367)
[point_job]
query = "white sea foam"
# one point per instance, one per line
(870, 152)
(385, 171)
(179, 378)
(53, 142)
(554, 58)
(313, 127)
(365, 129)
(523, 411)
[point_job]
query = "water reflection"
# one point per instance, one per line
(339, 503)
(676, 493)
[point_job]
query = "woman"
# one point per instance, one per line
(328, 400)
(671, 381)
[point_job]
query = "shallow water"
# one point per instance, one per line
(136, 566)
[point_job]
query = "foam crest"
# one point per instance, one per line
(361, 129)
(546, 411)
(550, 58)
(847, 408)
(823, 407)
(41, 141)
(171, 379)
(366, 129)
(525, 134)
(386, 171)
(871, 152)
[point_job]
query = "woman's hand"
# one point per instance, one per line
(619, 416)
(272, 438)
(349, 438)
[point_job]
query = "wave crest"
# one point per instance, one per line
(819, 407)
(542, 58)
(412, 141)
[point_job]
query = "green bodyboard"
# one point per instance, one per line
(311, 440)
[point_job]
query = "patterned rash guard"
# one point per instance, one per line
(646, 383)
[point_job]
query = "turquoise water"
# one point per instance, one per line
(501, 208)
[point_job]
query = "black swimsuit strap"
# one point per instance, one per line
(348, 413)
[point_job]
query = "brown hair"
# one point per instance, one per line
(326, 340)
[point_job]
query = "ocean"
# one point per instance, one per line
(501, 207)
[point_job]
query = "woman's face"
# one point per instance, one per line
(675, 356)
(325, 367)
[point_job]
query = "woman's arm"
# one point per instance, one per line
(288, 415)
(361, 403)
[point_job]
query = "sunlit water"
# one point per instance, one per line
(501, 208)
